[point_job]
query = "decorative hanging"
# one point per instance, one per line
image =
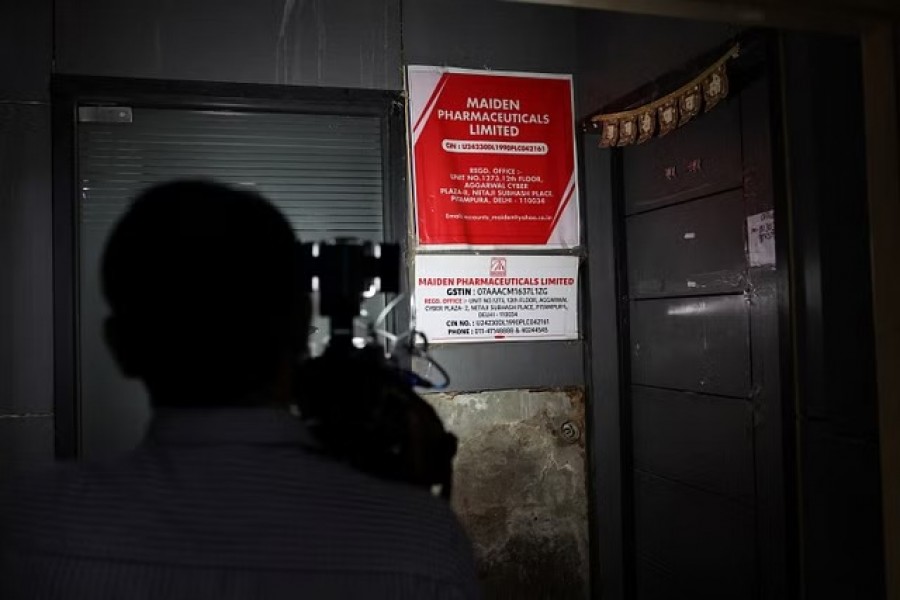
(628, 131)
(668, 116)
(689, 105)
(715, 88)
(647, 126)
(663, 116)
(609, 135)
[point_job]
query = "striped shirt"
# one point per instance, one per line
(227, 503)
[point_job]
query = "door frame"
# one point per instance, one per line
(69, 92)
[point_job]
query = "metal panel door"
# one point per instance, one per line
(704, 360)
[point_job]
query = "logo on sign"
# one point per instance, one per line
(498, 267)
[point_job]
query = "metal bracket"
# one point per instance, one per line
(104, 114)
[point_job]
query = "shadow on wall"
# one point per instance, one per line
(520, 488)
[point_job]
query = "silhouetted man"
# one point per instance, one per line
(226, 497)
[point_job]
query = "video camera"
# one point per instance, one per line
(358, 397)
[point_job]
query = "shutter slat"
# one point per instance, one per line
(323, 171)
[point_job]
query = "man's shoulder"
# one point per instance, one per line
(50, 493)
(31, 505)
(19, 489)
(287, 510)
(306, 515)
(369, 520)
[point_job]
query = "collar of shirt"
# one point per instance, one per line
(216, 426)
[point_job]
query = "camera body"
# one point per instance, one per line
(344, 273)
(359, 402)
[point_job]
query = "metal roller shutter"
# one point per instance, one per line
(325, 172)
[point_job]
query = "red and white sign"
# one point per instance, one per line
(493, 159)
(465, 298)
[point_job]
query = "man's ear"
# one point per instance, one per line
(122, 346)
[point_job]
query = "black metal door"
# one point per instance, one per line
(705, 399)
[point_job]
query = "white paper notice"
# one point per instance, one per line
(761, 239)
(496, 298)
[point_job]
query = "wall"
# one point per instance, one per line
(617, 52)
(337, 43)
(531, 531)
(522, 490)
(26, 310)
(504, 36)
(353, 43)
(839, 477)
(793, 14)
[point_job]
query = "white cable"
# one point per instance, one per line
(387, 334)
(390, 337)
(387, 309)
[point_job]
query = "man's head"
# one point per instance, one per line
(203, 287)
